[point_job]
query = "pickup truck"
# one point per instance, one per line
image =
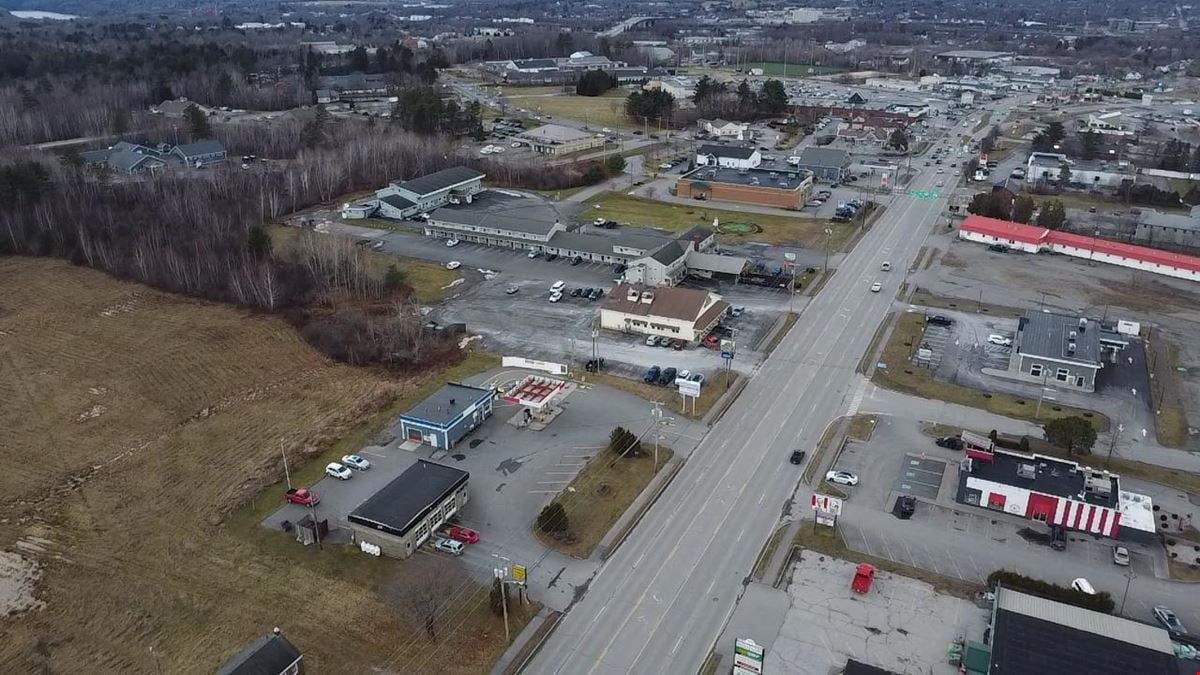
(302, 496)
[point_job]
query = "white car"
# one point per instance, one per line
(1000, 340)
(651, 340)
(665, 165)
(335, 470)
(451, 243)
(515, 144)
(876, 287)
(555, 296)
(558, 286)
(606, 130)
(1121, 556)
(683, 375)
(841, 478)
(533, 254)
(449, 546)
(941, 170)
(453, 265)
(356, 462)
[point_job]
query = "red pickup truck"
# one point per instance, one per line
(302, 496)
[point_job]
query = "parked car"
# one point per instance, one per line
(302, 496)
(595, 293)
(587, 293)
(651, 340)
(951, 442)
(534, 254)
(576, 260)
(356, 462)
(451, 243)
(449, 546)
(1083, 586)
(576, 292)
(453, 265)
(335, 470)
(1058, 537)
(939, 320)
(464, 534)
(667, 377)
(998, 248)
(551, 257)
(1169, 620)
(841, 478)
(735, 312)
(558, 286)
(797, 457)
(906, 506)
(556, 296)
(678, 345)
(512, 290)
(712, 341)
(651, 375)
(1121, 556)
(1000, 340)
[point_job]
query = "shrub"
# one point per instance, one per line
(1100, 602)
(553, 518)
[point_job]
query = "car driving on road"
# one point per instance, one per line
(876, 287)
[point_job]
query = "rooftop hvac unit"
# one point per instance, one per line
(1073, 335)
(647, 297)
(1071, 347)
(1082, 324)
(633, 296)
(1025, 470)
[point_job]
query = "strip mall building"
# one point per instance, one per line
(1033, 239)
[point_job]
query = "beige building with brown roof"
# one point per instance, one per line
(683, 313)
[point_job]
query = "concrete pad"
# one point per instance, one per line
(901, 624)
(758, 616)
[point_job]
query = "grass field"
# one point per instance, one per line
(779, 69)
(151, 418)
(807, 232)
(598, 496)
(607, 110)
(714, 387)
(902, 375)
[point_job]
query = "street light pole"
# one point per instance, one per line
(286, 474)
(1128, 580)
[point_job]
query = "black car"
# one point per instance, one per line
(551, 257)
(797, 457)
(1058, 537)
(668, 376)
(950, 442)
(998, 248)
(576, 292)
(906, 505)
(939, 320)
(576, 260)
(594, 293)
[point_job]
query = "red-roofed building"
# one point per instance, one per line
(1033, 239)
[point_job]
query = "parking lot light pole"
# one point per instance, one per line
(1128, 580)
(828, 234)
(286, 474)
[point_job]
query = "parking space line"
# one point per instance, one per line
(889, 548)
(932, 560)
(371, 453)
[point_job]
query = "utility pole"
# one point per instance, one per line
(286, 473)
(1112, 445)
(656, 415)
(499, 574)
(828, 233)
(1128, 580)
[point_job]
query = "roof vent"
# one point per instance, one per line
(1026, 471)
(1071, 347)
(647, 297)
(633, 295)
(1074, 335)
(1082, 324)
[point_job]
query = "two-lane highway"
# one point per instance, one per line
(659, 603)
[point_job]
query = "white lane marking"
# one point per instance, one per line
(676, 647)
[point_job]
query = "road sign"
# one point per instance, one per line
(727, 346)
(923, 195)
(831, 505)
(727, 355)
(688, 388)
(747, 657)
(518, 573)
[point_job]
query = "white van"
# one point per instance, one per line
(1083, 586)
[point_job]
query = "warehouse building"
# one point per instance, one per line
(1030, 634)
(1169, 229)
(402, 200)
(1033, 239)
(444, 418)
(825, 164)
(684, 313)
(1051, 491)
(411, 508)
(784, 189)
(1057, 349)
(555, 139)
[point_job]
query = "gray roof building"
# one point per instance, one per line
(825, 157)
(447, 403)
(271, 654)
(732, 151)
(397, 201)
(1060, 337)
(440, 180)
(504, 211)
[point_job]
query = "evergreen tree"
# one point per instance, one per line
(197, 121)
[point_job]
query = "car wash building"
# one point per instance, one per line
(444, 418)
(407, 511)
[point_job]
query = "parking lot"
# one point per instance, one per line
(514, 473)
(965, 346)
(900, 624)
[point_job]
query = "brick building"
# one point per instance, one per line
(784, 189)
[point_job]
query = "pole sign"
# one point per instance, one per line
(747, 657)
(518, 573)
(827, 509)
(688, 388)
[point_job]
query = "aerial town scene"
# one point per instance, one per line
(597, 337)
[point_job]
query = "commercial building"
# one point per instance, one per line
(682, 88)
(1032, 239)
(271, 654)
(449, 414)
(499, 218)
(725, 129)
(1169, 229)
(784, 189)
(825, 164)
(684, 313)
(1113, 123)
(1029, 634)
(133, 159)
(1053, 491)
(555, 139)
(1057, 349)
(1048, 166)
(728, 156)
(975, 57)
(411, 508)
(895, 114)
(405, 199)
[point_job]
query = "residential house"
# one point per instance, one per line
(825, 164)
(200, 153)
(271, 654)
(728, 156)
(683, 313)
(175, 108)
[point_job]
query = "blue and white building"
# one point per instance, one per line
(443, 419)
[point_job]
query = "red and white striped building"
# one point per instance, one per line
(1033, 239)
(1051, 491)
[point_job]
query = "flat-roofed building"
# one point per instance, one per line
(409, 510)
(556, 139)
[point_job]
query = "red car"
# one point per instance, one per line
(302, 496)
(464, 534)
(712, 342)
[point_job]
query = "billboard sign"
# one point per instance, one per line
(831, 505)
(747, 657)
(533, 364)
(688, 388)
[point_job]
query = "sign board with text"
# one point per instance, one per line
(688, 388)
(747, 657)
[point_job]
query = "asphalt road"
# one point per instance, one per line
(659, 603)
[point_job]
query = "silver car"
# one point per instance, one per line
(356, 462)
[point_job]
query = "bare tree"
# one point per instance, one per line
(427, 592)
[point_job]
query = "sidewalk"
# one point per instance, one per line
(523, 646)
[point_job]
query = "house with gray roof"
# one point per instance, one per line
(1057, 349)
(200, 153)
(1169, 229)
(134, 159)
(402, 200)
(174, 108)
(826, 164)
(271, 654)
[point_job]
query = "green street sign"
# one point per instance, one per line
(923, 195)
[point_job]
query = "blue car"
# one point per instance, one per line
(651, 375)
